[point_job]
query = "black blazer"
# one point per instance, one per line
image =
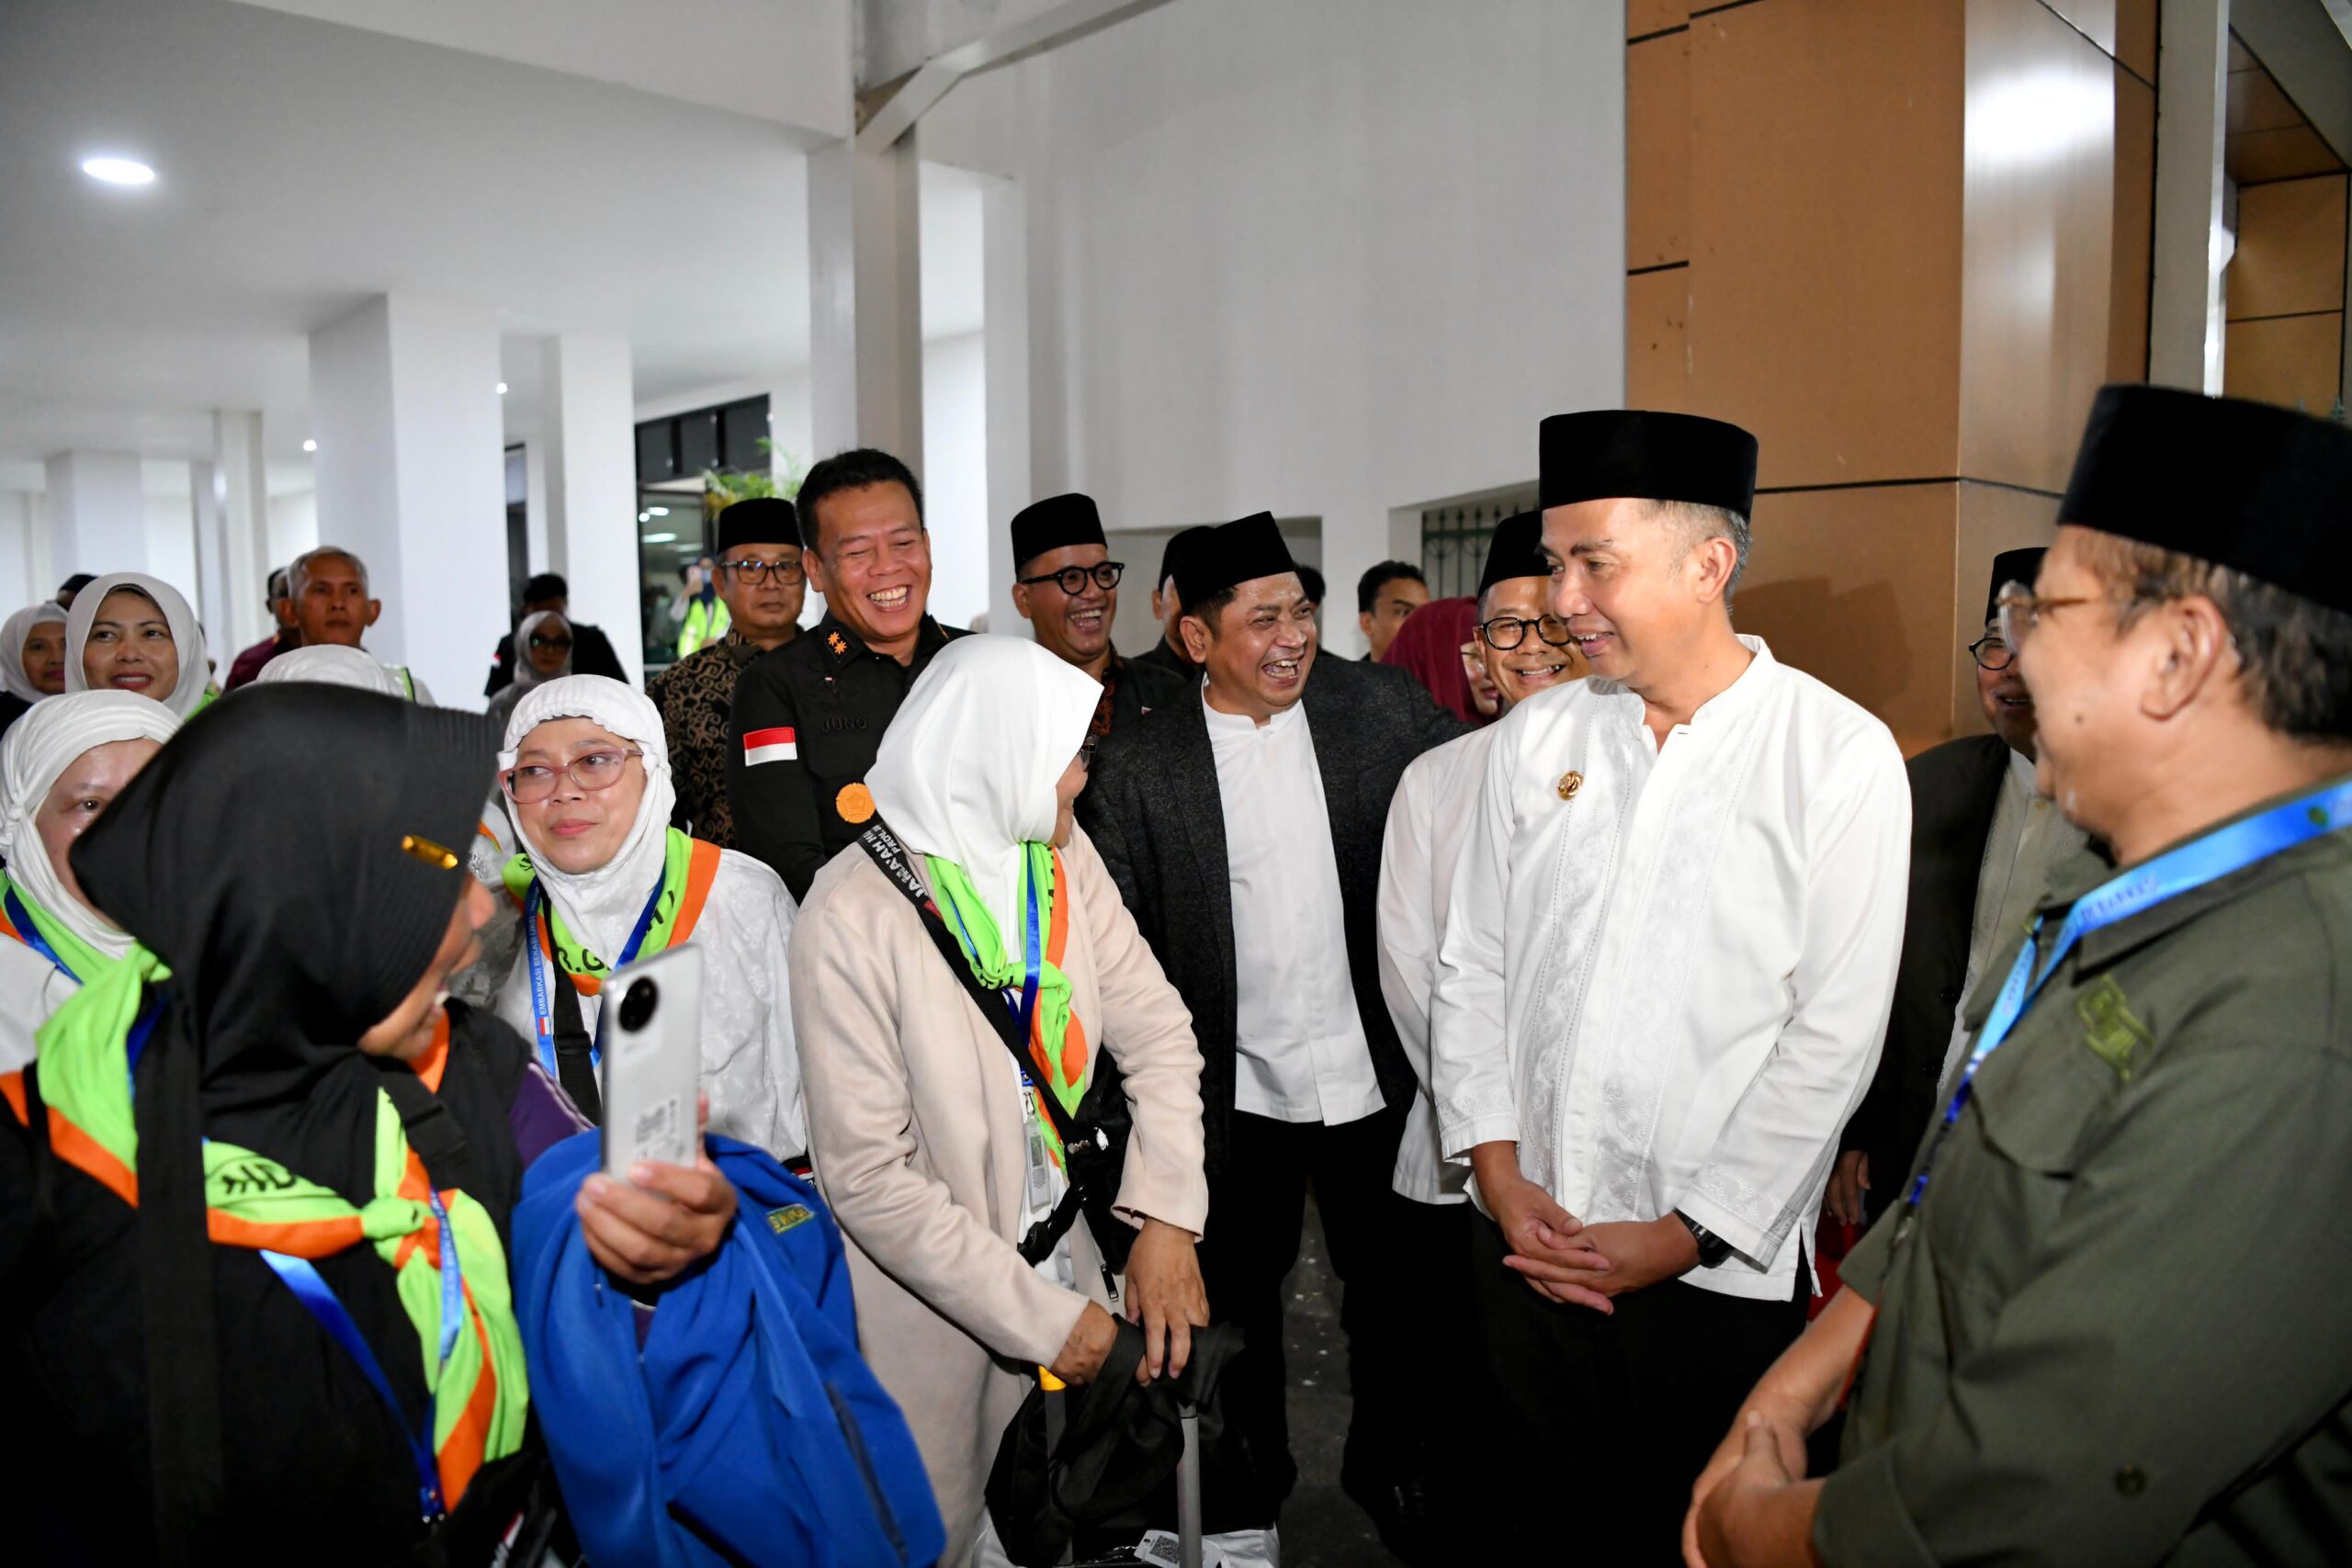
(1954, 788)
(1153, 809)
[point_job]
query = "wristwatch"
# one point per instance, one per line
(1712, 1248)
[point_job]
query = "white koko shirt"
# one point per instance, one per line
(1665, 972)
(1427, 821)
(1302, 1054)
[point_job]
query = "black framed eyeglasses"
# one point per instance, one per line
(1992, 655)
(1507, 632)
(1071, 580)
(540, 639)
(752, 573)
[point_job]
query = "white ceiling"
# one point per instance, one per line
(304, 166)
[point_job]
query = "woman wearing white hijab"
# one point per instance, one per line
(59, 768)
(542, 653)
(130, 632)
(603, 880)
(32, 660)
(920, 1120)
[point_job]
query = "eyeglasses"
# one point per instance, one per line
(1507, 632)
(752, 573)
(1073, 580)
(562, 642)
(596, 771)
(2019, 614)
(1992, 654)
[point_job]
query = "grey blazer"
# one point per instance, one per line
(1153, 809)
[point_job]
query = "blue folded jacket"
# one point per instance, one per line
(747, 1429)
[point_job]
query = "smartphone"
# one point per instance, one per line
(652, 1060)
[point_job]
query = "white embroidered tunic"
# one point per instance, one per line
(1665, 972)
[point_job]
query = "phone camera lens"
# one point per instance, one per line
(637, 1007)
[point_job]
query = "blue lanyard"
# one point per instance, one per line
(1032, 962)
(31, 933)
(542, 995)
(2192, 865)
(318, 1297)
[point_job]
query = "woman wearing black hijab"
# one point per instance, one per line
(179, 1240)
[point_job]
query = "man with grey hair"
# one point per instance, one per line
(333, 608)
(1667, 957)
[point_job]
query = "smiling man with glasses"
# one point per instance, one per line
(1983, 844)
(762, 583)
(1067, 588)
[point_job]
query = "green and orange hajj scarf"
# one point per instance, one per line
(481, 1395)
(1062, 1063)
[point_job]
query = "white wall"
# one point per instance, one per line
(19, 587)
(170, 551)
(955, 476)
(1323, 258)
(293, 527)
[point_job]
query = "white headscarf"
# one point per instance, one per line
(966, 769)
(40, 747)
(13, 633)
(330, 664)
(600, 908)
(526, 674)
(188, 637)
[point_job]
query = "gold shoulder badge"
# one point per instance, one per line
(856, 803)
(2109, 1029)
(1570, 782)
(790, 1217)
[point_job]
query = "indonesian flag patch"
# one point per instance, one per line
(770, 746)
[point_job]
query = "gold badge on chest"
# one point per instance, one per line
(1570, 782)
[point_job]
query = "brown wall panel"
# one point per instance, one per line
(2135, 223)
(2135, 38)
(2039, 241)
(2287, 360)
(1646, 17)
(1855, 586)
(1655, 306)
(2290, 257)
(1657, 151)
(1826, 234)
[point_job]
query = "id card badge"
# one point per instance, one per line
(1039, 1191)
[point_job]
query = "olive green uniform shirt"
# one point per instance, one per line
(2119, 1329)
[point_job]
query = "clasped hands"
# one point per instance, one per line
(1164, 1294)
(1564, 1259)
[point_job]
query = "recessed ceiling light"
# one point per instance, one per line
(118, 171)
(309, 446)
(501, 388)
(658, 510)
(660, 538)
(645, 517)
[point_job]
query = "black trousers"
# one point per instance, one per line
(1618, 1414)
(1257, 1209)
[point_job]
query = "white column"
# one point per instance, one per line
(244, 490)
(590, 468)
(212, 589)
(19, 583)
(412, 477)
(1004, 337)
(866, 299)
(2191, 245)
(97, 513)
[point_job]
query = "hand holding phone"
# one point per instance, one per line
(652, 1061)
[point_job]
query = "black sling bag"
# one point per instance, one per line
(1094, 1141)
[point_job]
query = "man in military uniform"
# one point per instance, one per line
(763, 584)
(809, 716)
(1067, 587)
(2104, 1323)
